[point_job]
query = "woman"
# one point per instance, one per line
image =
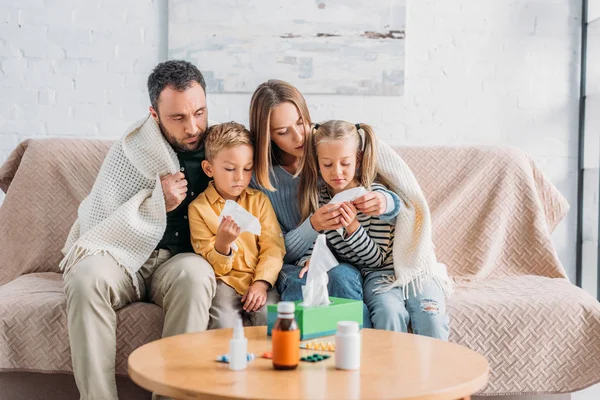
(280, 121)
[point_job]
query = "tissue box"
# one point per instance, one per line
(320, 320)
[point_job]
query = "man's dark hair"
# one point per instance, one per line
(176, 73)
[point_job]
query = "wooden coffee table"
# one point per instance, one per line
(393, 366)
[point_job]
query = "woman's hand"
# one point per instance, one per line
(326, 218)
(372, 203)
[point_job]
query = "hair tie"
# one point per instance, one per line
(317, 126)
(361, 134)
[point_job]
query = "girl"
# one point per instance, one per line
(341, 156)
(279, 121)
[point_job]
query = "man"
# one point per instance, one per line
(131, 241)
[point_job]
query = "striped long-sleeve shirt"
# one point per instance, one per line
(298, 234)
(369, 248)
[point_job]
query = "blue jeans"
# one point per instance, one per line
(345, 281)
(426, 311)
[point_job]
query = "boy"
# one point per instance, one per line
(246, 276)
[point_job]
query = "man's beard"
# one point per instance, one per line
(181, 145)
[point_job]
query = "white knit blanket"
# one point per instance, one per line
(124, 215)
(415, 263)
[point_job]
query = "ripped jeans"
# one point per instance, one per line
(425, 311)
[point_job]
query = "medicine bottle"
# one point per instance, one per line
(286, 338)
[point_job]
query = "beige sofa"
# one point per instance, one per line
(493, 212)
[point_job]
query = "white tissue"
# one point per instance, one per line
(348, 195)
(246, 221)
(315, 293)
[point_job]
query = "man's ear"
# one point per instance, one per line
(207, 168)
(154, 114)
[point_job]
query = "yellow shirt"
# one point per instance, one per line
(257, 257)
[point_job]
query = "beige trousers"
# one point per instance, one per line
(97, 286)
(227, 307)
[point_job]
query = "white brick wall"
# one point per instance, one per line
(495, 72)
(75, 68)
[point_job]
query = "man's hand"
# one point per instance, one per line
(372, 203)
(174, 187)
(256, 296)
(227, 232)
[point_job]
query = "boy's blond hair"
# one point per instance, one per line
(224, 136)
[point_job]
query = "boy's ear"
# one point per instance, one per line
(207, 168)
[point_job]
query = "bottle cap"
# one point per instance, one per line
(286, 307)
(347, 327)
(238, 329)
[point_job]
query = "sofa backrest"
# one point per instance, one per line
(44, 181)
(492, 208)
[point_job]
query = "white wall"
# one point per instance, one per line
(477, 72)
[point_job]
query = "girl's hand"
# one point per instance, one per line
(348, 212)
(349, 220)
(372, 203)
(256, 296)
(304, 270)
(326, 218)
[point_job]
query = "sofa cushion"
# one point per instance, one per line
(539, 334)
(44, 180)
(33, 326)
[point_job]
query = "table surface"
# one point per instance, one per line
(393, 366)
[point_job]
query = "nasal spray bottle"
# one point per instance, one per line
(238, 348)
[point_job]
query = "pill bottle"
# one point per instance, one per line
(285, 338)
(347, 345)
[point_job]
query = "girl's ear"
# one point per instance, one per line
(207, 168)
(359, 157)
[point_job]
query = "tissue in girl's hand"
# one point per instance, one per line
(246, 221)
(349, 195)
(314, 293)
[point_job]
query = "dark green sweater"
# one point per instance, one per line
(177, 235)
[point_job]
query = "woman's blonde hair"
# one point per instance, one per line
(332, 131)
(266, 97)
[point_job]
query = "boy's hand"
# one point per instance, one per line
(372, 203)
(256, 296)
(304, 270)
(174, 187)
(349, 220)
(227, 232)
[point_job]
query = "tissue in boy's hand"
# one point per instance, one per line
(246, 221)
(349, 195)
(314, 293)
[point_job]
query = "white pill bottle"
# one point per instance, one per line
(347, 345)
